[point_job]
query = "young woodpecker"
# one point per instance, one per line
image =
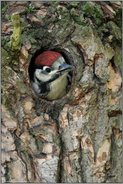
(49, 75)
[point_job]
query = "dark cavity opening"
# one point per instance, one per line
(65, 54)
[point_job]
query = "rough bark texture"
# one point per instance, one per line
(77, 138)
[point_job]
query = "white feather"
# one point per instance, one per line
(58, 88)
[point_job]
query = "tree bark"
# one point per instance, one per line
(76, 138)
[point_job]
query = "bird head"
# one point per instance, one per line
(50, 65)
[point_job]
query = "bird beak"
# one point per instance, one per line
(65, 68)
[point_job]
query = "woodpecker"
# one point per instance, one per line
(49, 75)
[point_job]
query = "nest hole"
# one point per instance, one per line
(68, 59)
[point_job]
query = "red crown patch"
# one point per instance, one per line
(47, 58)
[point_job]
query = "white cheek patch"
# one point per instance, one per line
(44, 77)
(40, 76)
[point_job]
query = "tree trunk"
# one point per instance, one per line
(76, 138)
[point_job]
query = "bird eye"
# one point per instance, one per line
(47, 69)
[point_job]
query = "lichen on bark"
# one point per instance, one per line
(15, 38)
